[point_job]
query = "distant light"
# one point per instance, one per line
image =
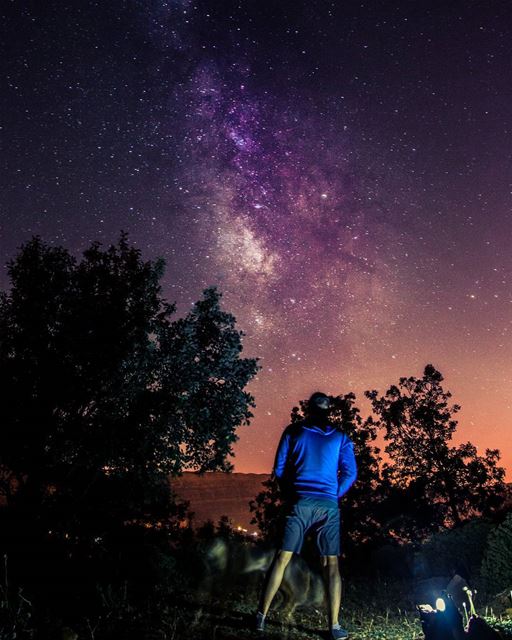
(440, 604)
(324, 196)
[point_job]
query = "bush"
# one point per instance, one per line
(497, 560)
(459, 550)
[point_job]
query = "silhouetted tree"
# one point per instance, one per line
(360, 504)
(105, 396)
(403, 513)
(268, 509)
(437, 484)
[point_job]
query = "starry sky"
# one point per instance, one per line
(342, 171)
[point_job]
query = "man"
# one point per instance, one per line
(314, 466)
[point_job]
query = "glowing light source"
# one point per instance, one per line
(440, 604)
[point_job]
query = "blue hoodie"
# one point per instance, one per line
(317, 462)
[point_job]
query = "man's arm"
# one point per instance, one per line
(347, 466)
(279, 470)
(281, 456)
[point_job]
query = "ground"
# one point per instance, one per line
(231, 617)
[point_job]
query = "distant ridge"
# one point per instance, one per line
(215, 494)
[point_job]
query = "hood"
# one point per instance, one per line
(316, 429)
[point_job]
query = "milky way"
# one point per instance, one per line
(342, 173)
(289, 233)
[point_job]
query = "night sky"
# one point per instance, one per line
(341, 170)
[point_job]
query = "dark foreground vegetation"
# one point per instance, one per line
(107, 397)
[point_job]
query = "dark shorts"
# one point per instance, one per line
(315, 515)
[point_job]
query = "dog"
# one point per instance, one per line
(235, 564)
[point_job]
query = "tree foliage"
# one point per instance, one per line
(359, 504)
(458, 550)
(426, 485)
(497, 560)
(269, 511)
(106, 395)
(442, 484)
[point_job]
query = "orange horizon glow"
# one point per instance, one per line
(486, 425)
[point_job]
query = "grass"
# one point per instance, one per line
(232, 619)
(371, 610)
(230, 615)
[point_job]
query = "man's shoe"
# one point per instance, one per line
(337, 633)
(260, 622)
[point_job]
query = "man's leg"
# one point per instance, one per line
(333, 586)
(293, 537)
(273, 579)
(328, 541)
